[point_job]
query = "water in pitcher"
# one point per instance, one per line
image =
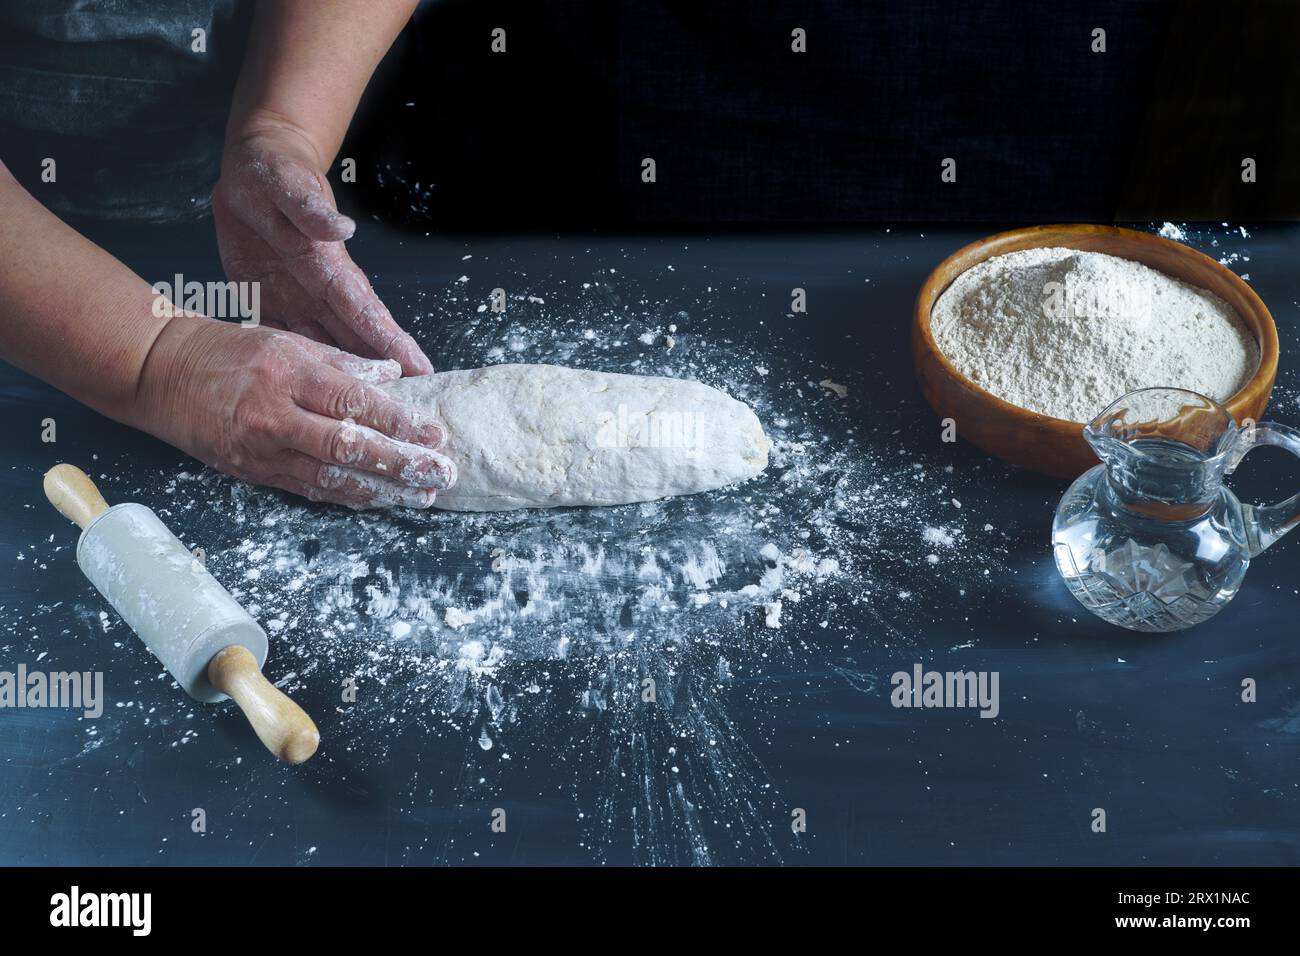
(1152, 539)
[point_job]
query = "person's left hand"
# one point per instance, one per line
(277, 225)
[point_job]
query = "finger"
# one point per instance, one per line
(363, 449)
(338, 396)
(298, 193)
(332, 276)
(311, 331)
(343, 485)
(311, 312)
(374, 371)
(352, 313)
(255, 206)
(374, 491)
(279, 293)
(315, 216)
(307, 329)
(279, 311)
(347, 306)
(360, 491)
(287, 206)
(342, 333)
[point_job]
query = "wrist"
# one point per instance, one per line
(168, 365)
(267, 125)
(125, 327)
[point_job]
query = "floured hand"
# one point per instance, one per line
(277, 225)
(274, 408)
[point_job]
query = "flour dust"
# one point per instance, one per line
(514, 646)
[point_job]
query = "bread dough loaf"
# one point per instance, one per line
(542, 436)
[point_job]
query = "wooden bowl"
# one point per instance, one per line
(1054, 446)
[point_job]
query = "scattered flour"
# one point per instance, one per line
(941, 536)
(1064, 333)
(773, 616)
(456, 619)
(516, 644)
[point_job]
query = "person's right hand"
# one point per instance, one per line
(274, 408)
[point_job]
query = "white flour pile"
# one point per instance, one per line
(1065, 333)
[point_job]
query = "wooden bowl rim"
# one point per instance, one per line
(1267, 340)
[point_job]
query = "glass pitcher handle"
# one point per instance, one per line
(1266, 523)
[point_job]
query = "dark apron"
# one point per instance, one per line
(112, 91)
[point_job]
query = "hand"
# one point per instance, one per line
(274, 408)
(277, 225)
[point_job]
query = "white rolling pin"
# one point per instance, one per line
(210, 644)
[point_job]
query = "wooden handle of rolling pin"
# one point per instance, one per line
(75, 496)
(281, 724)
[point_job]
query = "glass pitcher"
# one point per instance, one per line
(1151, 539)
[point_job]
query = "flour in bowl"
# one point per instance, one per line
(1064, 333)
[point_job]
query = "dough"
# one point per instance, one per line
(542, 436)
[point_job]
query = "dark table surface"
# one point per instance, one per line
(1150, 728)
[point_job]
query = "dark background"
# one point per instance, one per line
(553, 131)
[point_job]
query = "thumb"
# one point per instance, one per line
(298, 193)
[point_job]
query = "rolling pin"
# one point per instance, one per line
(210, 644)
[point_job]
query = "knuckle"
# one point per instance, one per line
(370, 316)
(391, 420)
(349, 400)
(255, 421)
(237, 462)
(248, 417)
(264, 367)
(334, 284)
(344, 445)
